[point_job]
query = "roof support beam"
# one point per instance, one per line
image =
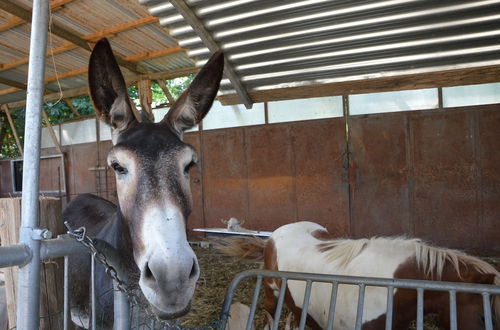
(210, 42)
(12, 83)
(129, 80)
(5, 108)
(166, 91)
(55, 5)
(59, 31)
(133, 58)
(91, 38)
(448, 78)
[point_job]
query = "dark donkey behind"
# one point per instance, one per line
(148, 227)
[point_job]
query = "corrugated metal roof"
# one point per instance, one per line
(276, 43)
(81, 18)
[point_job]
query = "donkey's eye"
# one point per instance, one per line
(118, 168)
(189, 167)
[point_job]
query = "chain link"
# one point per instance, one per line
(80, 234)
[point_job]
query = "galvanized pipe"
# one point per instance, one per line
(279, 305)
(333, 300)
(121, 309)
(305, 305)
(361, 302)
(255, 300)
(60, 247)
(66, 294)
(488, 321)
(28, 294)
(14, 255)
(453, 310)
(389, 310)
(93, 294)
(420, 309)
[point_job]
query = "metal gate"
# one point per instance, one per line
(362, 282)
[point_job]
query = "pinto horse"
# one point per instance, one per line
(308, 247)
(151, 164)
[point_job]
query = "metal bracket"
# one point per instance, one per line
(39, 234)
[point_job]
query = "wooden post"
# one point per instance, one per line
(165, 90)
(13, 128)
(51, 131)
(146, 97)
(69, 102)
(52, 271)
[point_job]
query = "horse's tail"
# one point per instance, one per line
(248, 248)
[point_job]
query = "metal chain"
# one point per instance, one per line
(80, 234)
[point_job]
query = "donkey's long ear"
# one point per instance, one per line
(107, 87)
(195, 102)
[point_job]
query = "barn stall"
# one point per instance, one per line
(375, 118)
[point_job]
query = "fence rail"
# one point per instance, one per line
(362, 282)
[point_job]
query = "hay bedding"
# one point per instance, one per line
(217, 272)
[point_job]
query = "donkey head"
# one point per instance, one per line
(152, 166)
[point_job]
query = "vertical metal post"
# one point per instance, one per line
(488, 320)
(255, 300)
(92, 294)
(453, 310)
(361, 302)
(333, 301)
(66, 293)
(390, 308)
(28, 295)
(305, 305)
(122, 310)
(420, 309)
(279, 305)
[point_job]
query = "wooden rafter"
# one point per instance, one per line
(469, 76)
(5, 108)
(130, 80)
(146, 97)
(51, 131)
(69, 102)
(15, 84)
(76, 72)
(197, 25)
(67, 46)
(59, 31)
(165, 90)
(55, 5)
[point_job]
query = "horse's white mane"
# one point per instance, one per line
(430, 258)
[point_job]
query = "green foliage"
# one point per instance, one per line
(59, 112)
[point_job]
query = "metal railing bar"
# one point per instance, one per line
(255, 299)
(305, 305)
(60, 247)
(488, 321)
(93, 296)
(279, 305)
(376, 282)
(361, 302)
(390, 308)
(420, 309)
(66, 294)
(453, 310)
(121, 308)
(14, 255)
(333, 300)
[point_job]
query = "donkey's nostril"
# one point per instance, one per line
(194, 269)
(147, 273)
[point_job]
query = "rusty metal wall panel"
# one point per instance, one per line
(321, 188)
(489, 164)
(196, 219)
(271, 177)
(445, 204)
(379, 175)
(225, 176)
